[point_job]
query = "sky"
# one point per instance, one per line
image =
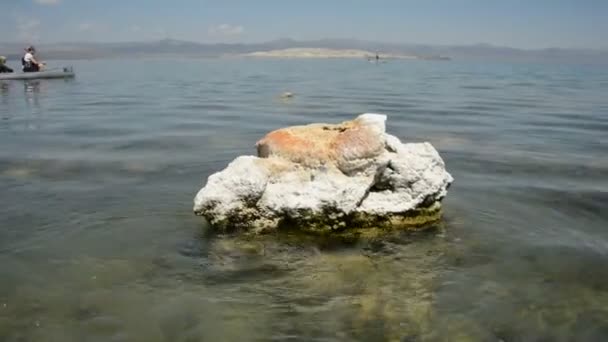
(514, 23)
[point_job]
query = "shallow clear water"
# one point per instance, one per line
(98, 241)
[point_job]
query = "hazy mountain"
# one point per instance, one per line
(191, 49)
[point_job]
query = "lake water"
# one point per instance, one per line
(98, 241)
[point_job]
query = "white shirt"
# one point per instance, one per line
(28, 57)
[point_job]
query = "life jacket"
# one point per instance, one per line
(28, 66)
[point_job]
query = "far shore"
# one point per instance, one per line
(330, 53)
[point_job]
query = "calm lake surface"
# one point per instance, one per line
(98, 241)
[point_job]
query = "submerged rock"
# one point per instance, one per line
(327, 178)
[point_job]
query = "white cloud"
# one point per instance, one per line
(47, 2)
(226, 30)
(28, 29)
(86, 26)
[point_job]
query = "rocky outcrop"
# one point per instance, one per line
(328, 178)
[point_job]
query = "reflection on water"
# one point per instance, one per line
(97, 176)
(31, 119)
(4, 92)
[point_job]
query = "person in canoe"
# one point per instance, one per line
(29, 62)
(3, 67)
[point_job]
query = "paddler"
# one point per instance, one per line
(29, 62)
(3, 67)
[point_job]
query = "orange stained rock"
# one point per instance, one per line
(321, 143)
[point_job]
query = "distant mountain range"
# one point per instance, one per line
(172, 47)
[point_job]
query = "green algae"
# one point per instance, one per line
(330, 222)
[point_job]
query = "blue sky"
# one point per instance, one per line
(516, 23)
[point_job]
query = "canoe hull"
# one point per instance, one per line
(37, 75)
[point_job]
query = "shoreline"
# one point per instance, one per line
(324, 53)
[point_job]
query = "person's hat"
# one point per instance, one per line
(2, 59)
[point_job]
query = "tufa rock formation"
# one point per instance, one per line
(328, 179)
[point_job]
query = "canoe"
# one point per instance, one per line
(47, 74)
